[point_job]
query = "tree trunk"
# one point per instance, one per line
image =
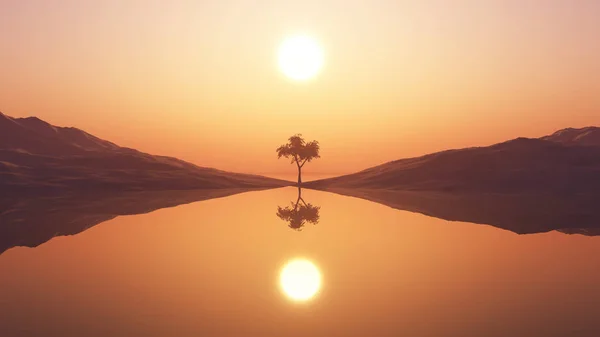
(299, 176)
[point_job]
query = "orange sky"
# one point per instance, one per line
(199, 79)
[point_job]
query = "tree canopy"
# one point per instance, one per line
(299, 150)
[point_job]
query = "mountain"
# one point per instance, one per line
(562, 163)
(35, 136)
(37, 157)
(584, 136)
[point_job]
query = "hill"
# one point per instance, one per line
(584, 136)
(563, 163)
(37, 157)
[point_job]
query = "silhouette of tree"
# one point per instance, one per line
(299, 151)
(299, 213)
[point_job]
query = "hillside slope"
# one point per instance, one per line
(36, 156)
(584, 136)
(561, 165)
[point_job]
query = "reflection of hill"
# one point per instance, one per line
(582, 231)
(32, 221)
(522, 214)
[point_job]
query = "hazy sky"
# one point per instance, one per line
(199, 79)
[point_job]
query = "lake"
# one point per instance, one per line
(213, 268)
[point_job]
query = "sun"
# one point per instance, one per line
(300, 57)
(300, 279)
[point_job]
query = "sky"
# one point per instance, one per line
(199, 80)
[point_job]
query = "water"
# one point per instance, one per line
(306, 176)
(212, 268)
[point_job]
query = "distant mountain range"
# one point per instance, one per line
(566, 162)
(38, 157)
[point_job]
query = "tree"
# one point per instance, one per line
(299, 213)
(299, 151)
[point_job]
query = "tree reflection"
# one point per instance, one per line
(299, 213)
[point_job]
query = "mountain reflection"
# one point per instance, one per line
(31, 221)
(299, 213)
(521, 214)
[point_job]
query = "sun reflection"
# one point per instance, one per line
(300, 279)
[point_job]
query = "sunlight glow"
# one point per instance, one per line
(300, 58)
(300, 279)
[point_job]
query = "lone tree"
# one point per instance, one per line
(299, 151)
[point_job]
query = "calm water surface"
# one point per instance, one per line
(212, 268)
